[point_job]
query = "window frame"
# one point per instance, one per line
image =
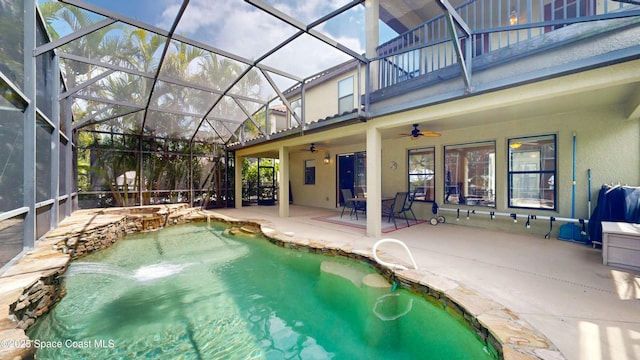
(429, 193)
(490, 200)
(310, 172)
(542, 173)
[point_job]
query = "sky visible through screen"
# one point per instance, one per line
(242, 29)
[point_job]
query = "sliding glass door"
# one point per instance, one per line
(352, 175)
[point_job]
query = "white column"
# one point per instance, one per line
(374, 182)
(283, 182)
(372, 37)
(372, 14)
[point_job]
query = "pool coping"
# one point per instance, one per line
(38, 272)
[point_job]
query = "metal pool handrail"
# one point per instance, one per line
(392, 265)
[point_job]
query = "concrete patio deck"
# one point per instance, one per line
(588, 310)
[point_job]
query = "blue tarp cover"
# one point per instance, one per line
(615, 203)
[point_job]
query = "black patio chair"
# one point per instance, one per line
(409, 205)
(349, 202)
(396, 208)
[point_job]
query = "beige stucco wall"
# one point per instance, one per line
(599, 135)
(324, 192)
(322, 100)
(607, 143)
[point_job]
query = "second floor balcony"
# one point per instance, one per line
(488, 33)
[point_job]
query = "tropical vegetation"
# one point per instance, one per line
(143, 136)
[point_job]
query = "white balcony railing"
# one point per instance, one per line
(494, 24)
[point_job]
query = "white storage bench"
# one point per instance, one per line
(621, 244)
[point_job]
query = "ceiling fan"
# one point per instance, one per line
(416, 133)
(314, 149)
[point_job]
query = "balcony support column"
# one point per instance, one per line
(372, 16)
(374, 182)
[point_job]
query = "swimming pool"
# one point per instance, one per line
(190, 291)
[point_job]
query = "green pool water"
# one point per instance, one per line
(191, 292)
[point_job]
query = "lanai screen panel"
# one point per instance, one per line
(179, 98)
(228, 112)
(311, 56)
(201, 67)
(159, 14)
(64, 19)
(305, 11)
(78, 74)
(118, 89)
(121, 124)
(218, 132)
(213, 66)
(105, 113)
(166, 124)
(233, 27)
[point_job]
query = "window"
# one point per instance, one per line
(345, 95)
(309, 172)
(421, 173)
(532, 172)
(470, 174)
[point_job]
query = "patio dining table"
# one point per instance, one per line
(363, 200)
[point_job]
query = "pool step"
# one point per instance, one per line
(357, 275)
(376, 281)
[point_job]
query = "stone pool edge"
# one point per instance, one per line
(32, 286)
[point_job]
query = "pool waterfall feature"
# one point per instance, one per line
(510, 337)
